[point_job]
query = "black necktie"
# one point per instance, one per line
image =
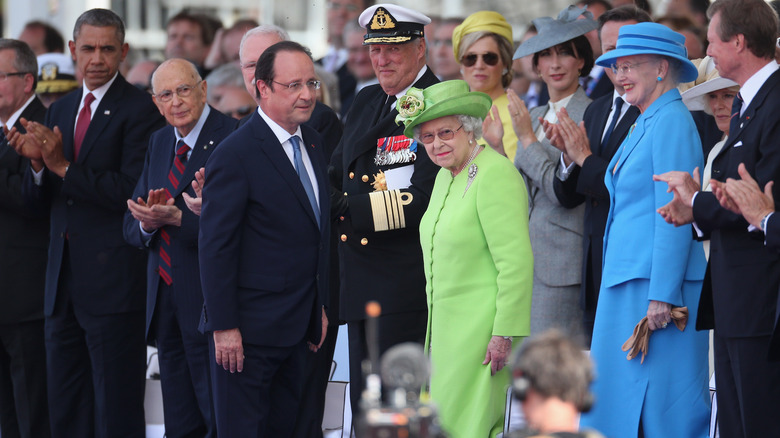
(613, 123)
(736, 109)
(387, 107)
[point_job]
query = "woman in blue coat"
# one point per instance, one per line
(649, 265)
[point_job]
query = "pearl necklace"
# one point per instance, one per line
(471, 158)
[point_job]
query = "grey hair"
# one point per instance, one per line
(100, 18)
(470, 124)
(264, 29)
(24, 58)
(191, 69)
(225, 75)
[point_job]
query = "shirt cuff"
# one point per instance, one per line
(145, 237)
(699, 233)
(564, 170)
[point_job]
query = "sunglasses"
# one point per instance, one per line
(488, 58)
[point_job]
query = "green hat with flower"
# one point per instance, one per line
(448, 98)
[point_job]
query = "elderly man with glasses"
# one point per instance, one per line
(157, 219)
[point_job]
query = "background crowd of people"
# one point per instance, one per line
(235, 200)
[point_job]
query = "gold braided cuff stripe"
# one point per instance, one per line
(387, 207)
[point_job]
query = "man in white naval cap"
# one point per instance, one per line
(376, 170)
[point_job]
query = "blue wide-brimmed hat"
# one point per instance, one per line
(651, 39)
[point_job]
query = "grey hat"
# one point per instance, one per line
(554, 31)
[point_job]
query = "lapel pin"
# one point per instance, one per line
(107, 112)
(211, 142)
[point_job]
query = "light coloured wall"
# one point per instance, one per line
(304, 19)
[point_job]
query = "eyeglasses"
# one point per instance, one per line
(444, 134)
(182, 91)
(4, 76)
(625, 68)
(296, 86)
(488, 58)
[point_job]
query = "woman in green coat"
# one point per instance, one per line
(477, 256)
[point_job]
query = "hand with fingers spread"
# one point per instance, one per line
(521, 119)
(748, 198)
(493, 131)
(196, 203)
(574, 138)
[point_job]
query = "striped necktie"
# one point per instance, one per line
(174, 178)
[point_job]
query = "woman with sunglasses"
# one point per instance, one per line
(477, 258)
(483, 46)
(561, 55)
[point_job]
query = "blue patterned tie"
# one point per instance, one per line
(304, 176)
(736, 109)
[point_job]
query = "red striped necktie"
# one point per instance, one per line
(174, 177)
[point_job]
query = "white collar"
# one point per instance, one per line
(755, 82)
(192, 138)
(281, 134)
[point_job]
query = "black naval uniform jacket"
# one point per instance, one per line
(379, 241)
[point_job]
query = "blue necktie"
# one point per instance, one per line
(613, 123)
(736, 109)
(304, 176)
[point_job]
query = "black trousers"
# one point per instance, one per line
(24, 411)
(185, 375)
(96, 366)
(263, 399)
(747, 385)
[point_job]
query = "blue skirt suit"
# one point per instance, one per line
(647, 259)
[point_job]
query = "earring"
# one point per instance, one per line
(660, 79)
(504, 71)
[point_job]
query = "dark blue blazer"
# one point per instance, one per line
(24, 238)
(88, 205)
(184, 239)
(739, 295)
(263, 259)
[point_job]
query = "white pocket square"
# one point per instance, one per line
(738, 144)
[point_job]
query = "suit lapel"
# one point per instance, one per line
(108, 106)
(317, 157)
(620, 132)
(270, 145)
(751, 110)
(201, 150)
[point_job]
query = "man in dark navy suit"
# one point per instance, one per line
(581, 175)
(744, 197)
(24, 239)
(264, 251)
(158, 219)
(85, 169)
(739, 295)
